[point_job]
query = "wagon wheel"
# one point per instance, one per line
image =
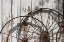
(47, 20)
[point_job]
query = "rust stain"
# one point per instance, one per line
(45, 35)
(22, 8)
(28, 9)
(25, 39)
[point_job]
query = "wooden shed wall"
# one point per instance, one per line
(14, 8)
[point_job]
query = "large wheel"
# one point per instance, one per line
(34, 24)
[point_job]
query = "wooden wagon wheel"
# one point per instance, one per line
(40, 24)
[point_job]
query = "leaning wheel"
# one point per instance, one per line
(37, 26)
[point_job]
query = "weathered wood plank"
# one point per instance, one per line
(22, 7)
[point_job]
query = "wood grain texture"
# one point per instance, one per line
(22, 7)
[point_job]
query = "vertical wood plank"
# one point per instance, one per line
(6, 12)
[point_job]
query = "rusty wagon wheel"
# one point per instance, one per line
(42, 20)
